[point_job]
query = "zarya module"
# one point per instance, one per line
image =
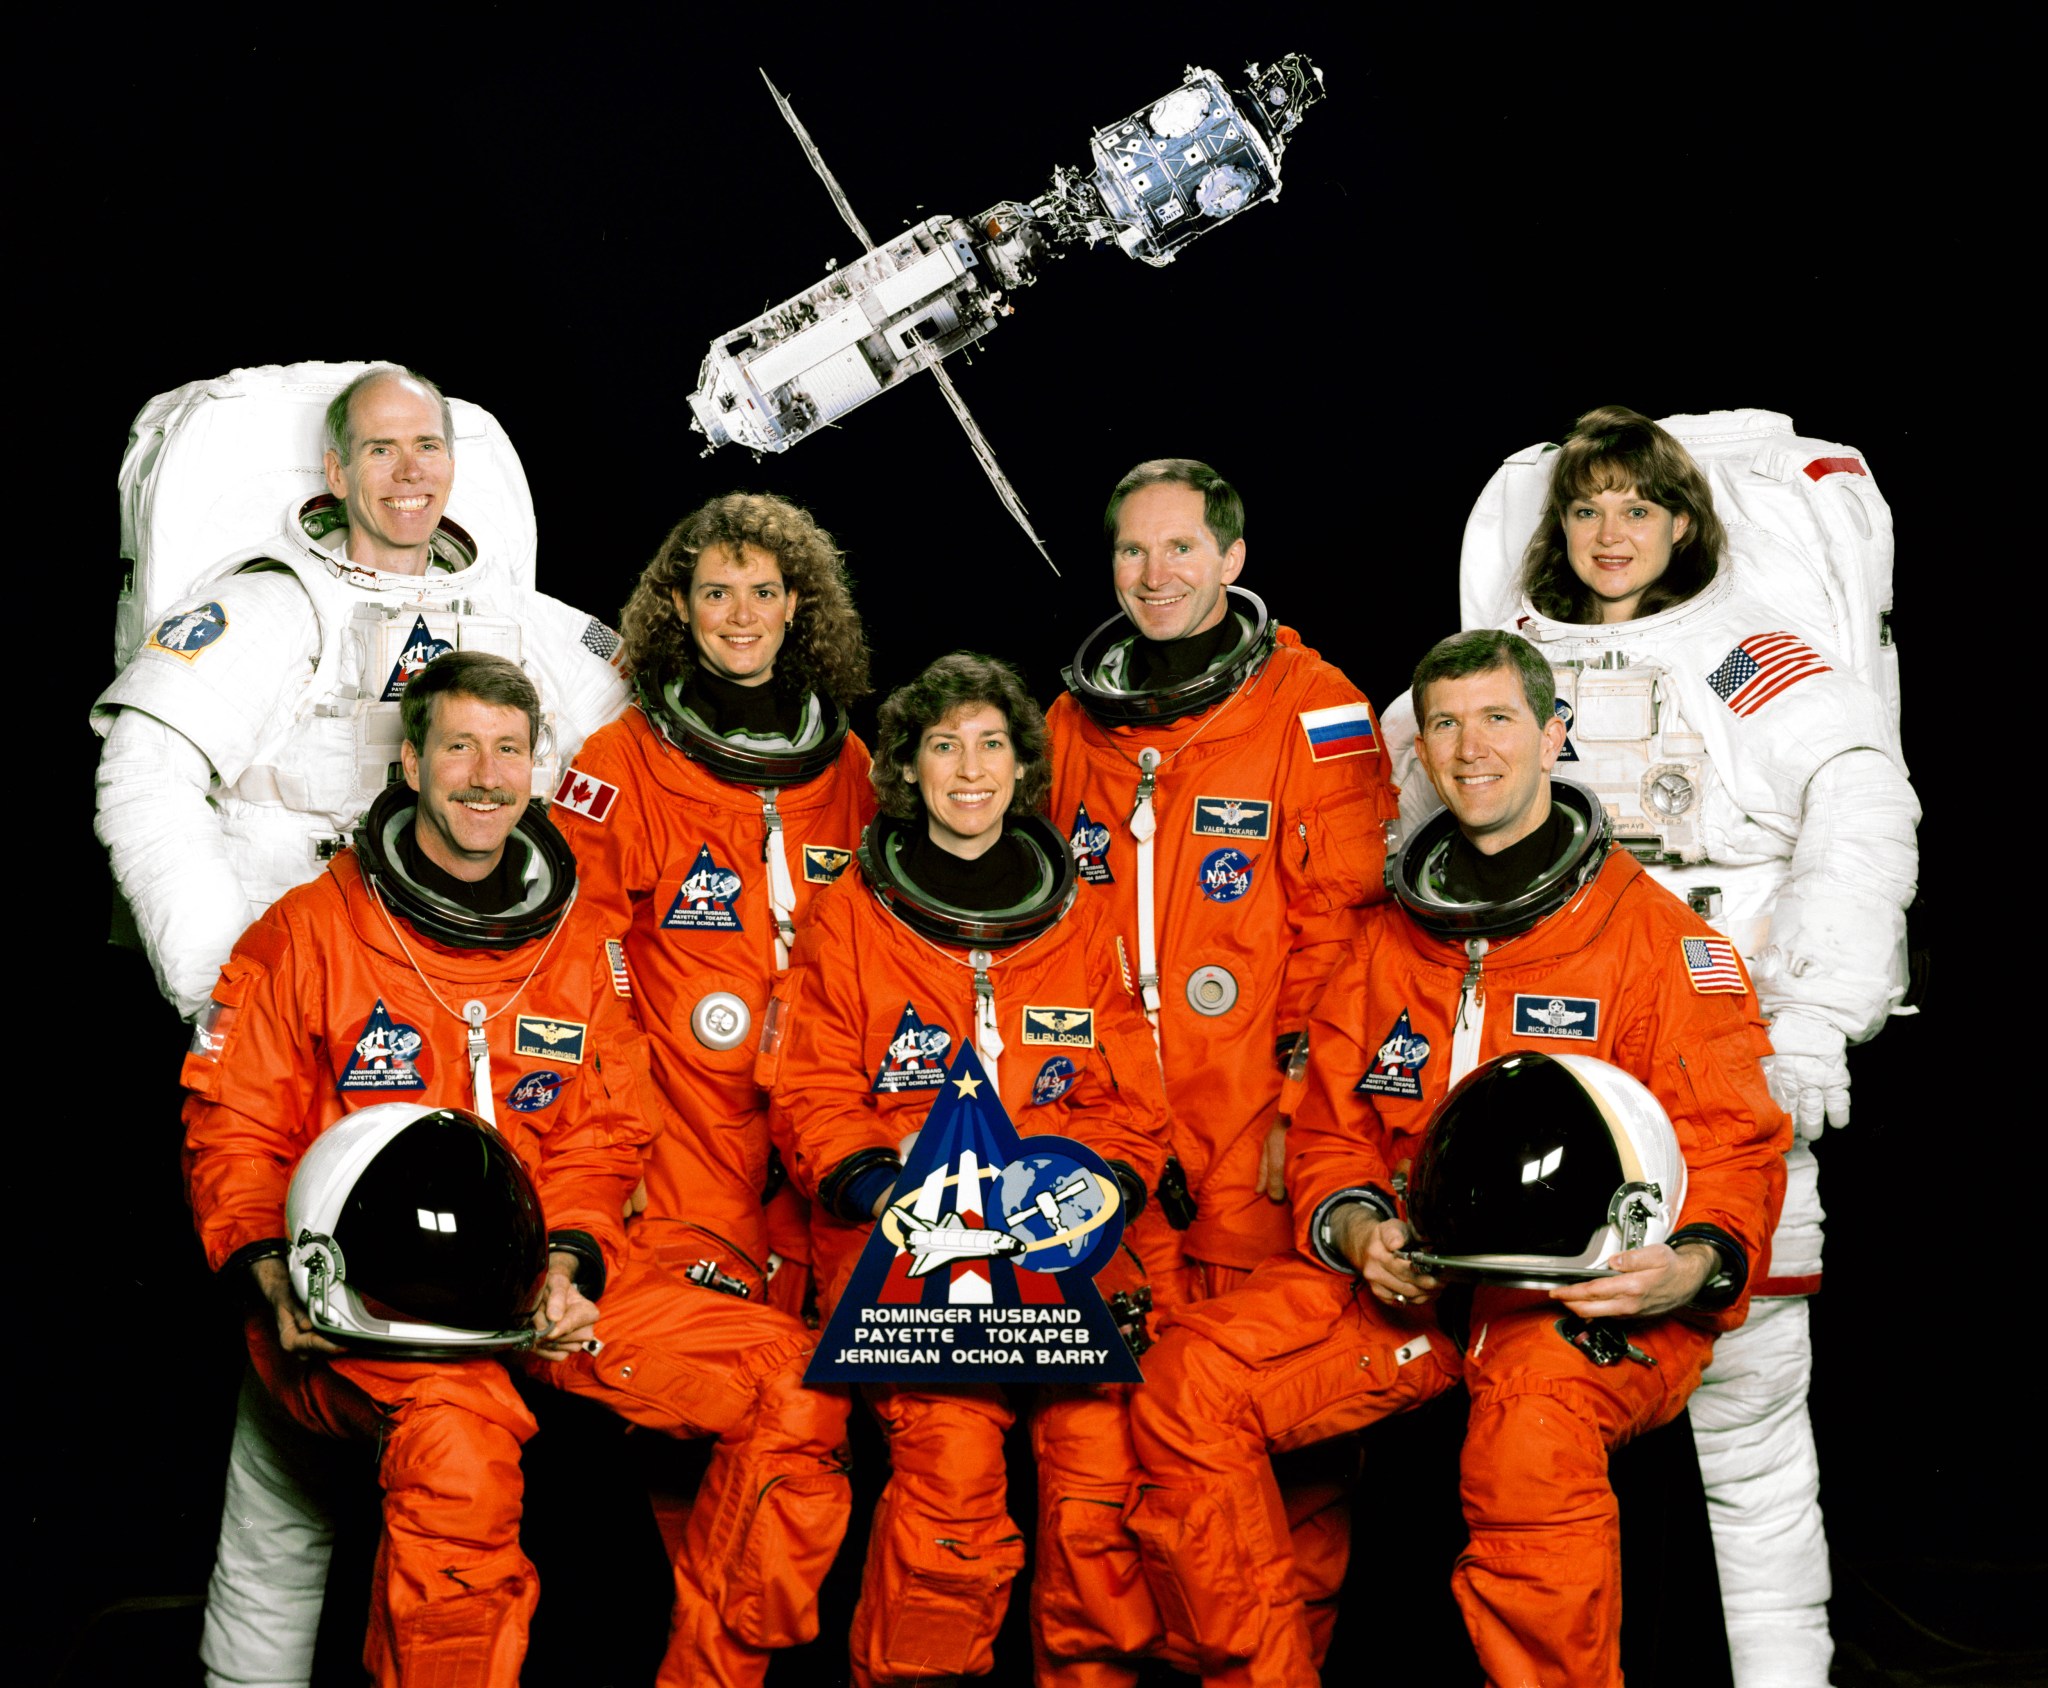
(1187, 163)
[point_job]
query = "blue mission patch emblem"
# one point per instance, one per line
(982, 1267)
(420, 649)
(386, 1056)
(1090, 844)
(1564, 714)
(188, 632)
(704, 904)
(1397, 1069)
(1575, 1017)
(916, 1056)
(1233, 817)
(1226, 875)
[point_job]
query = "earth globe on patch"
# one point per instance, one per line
(1041, 1196)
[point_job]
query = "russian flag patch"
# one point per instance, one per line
(1344, 729)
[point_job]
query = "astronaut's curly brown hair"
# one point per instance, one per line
(824, 651)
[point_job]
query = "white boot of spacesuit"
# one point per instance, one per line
(1762, 1478)
(276, 1537)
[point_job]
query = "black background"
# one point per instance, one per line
(1487, 228)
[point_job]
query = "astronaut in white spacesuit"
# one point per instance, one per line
(1761, 782)
(256, 722)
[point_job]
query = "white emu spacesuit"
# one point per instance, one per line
(255, 718)
(1760, 779)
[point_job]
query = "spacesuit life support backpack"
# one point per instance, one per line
(1809, 534)
(210, 466)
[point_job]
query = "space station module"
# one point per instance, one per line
(256, 711)
(1171, 172)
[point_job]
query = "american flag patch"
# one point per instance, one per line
(1711, 965)
(1344, 729)
(600, 640)
(586, 796)
(1761, 667)
(615, 959)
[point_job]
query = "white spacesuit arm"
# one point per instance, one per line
(1418, 797)
(168, 854)
(572, 655)
(1830, 973)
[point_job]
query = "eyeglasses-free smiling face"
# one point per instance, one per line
(966, 772)
(1488, 756)
(396, 480)
(1168, 573)
(475, 778)
(1619, 544)
(738, 612)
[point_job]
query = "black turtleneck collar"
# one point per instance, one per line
(497, 891)
(725, 706)
(1003, 876)
(1470, 876)
(1158, 663)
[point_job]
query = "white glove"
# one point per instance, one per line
(1809, 1074)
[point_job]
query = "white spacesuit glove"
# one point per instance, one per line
(1809, 1074)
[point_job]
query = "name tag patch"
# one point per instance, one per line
(559, 1040)
(1574, 1017)
(1233, 817)
(1066, 1028)
(915, 1058)
(824, 863)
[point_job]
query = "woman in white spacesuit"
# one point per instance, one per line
(1760, 781)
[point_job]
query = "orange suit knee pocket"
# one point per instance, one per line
(1089, 1593)
(771, 1514)
(1194, 1544)
(941, 1603)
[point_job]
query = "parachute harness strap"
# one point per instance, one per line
(988, 1040)
(781, 888)
(471, 1013)
(1471, 1023)
(1144, 825)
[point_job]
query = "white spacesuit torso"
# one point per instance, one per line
(284, 673)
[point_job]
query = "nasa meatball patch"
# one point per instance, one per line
(1233, 817)
(188, 632)
(1054, 1080)
(915, 1058)
(1226, 875)
(537, 1090)
(1574, 1017)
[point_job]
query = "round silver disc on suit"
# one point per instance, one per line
(1212, 990)
(721, 1020)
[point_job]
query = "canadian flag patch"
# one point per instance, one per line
(585, 795)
